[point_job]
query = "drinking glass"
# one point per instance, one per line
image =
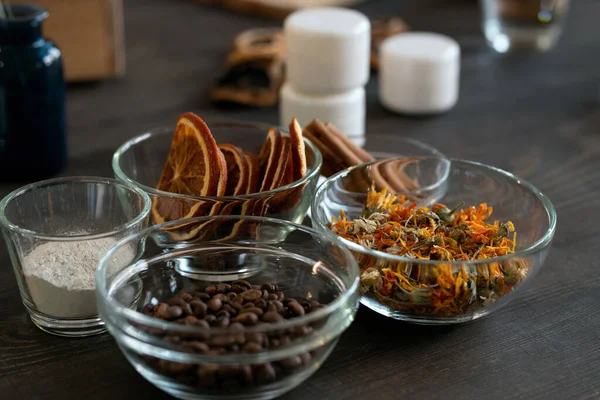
(523, 24)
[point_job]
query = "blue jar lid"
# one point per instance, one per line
(21, 23)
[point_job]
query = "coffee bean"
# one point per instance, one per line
(229, 371)
(261, 303)
(245, 284)
(187, 309)
(234, 348)
(314, 303)
(220, 296)
(236, 327)
(272, 296)
(210, 318)
(211, 290)
(280, 296)
(203, 324)
(199, 347)
(284, 341)
(256, 287)
(255, 310)
(265, 373)
(247, 376)
(186, 296)
(252, 295)
(305, 357)
(161, 310)
(199, 308)
(295, 308)
(272, 316)
(247, 318)
(252, 347)
(255, 337)
(190, 320)
(232, 311)
(270, 287)
(222, 340)
(222, 313)
(291, 362)
(237, 288)
(265, 294)
(176, 301)
(221, 322)
(223, 287)
(301, 330)
(274, 343)
(231, 296)
(215, 304)
(173, 312)
(202, 296)
(148, 309)
(278, 305)
(247, 305)
(207, 376)
(172, 339)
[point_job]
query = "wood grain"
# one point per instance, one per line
(536, 115)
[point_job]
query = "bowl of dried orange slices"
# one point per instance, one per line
(227, 168)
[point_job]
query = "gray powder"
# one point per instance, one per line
(60, 276)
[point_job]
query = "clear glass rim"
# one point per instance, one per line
(37, 13)
(534, 248)
(136, 317)
(7, 224)
(164, 130)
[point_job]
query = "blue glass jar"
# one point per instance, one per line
(33, 142)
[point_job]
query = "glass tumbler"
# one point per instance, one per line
(523, 24)
(56, 231)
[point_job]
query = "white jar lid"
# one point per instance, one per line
(419, 73)
(327, 49)
(346, 110)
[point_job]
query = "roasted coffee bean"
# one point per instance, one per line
(314, 303)
(220, 296)
(223, 287)
(236, 327)
(252, 294)
(301, 330)
(210, 318)
(221, 322)
(274, 343)
(247, 318)
(270, 287)
(202, 296)
(237, 288)
(261, 303)
(265, 373)
(245, 284)
(172, 339)
(296, 310)
(202, 323)
(255, 337)
(161, 310)
(223, 313)
(190, 320)
(215, 304)
(234, 348)
(252, 347)
(284, 341)
(211, 290)
(176, 301)
(231, 296)
(207, 375)
(278, 305)
(291, 362)
(247, 376)
(256, 287)
(187, 309)
(186, 296)
(265, 294)
(272, 316)
(272, 296)
(247, 305)
(222, 340)
(305, 357)
(197, 346)
(255, 310)
(173, 312)
(148, 309)
(229, 371)
(199, 308)
(280, 296)
(232, 311)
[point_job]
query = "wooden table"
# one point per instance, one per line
(536, 115)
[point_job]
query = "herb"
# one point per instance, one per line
(391, 224)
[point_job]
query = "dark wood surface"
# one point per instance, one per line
(536, 115)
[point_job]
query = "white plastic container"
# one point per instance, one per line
(419, 73)
(345, 110)
(327, 50)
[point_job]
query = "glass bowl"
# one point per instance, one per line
(56, 231)
(140, 162)
(213, 359)
(484, 285)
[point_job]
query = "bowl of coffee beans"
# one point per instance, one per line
(262, 310)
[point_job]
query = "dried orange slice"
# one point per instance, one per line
(195, 166)
(253, 173)
(298, 151)
(237, 170)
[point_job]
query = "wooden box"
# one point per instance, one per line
(90, 34)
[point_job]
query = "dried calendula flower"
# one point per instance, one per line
(392, 224)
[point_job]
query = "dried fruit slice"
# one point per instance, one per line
(237, 170)
(195, 166)
(298, 151)
(270, 159)
(253, 173)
